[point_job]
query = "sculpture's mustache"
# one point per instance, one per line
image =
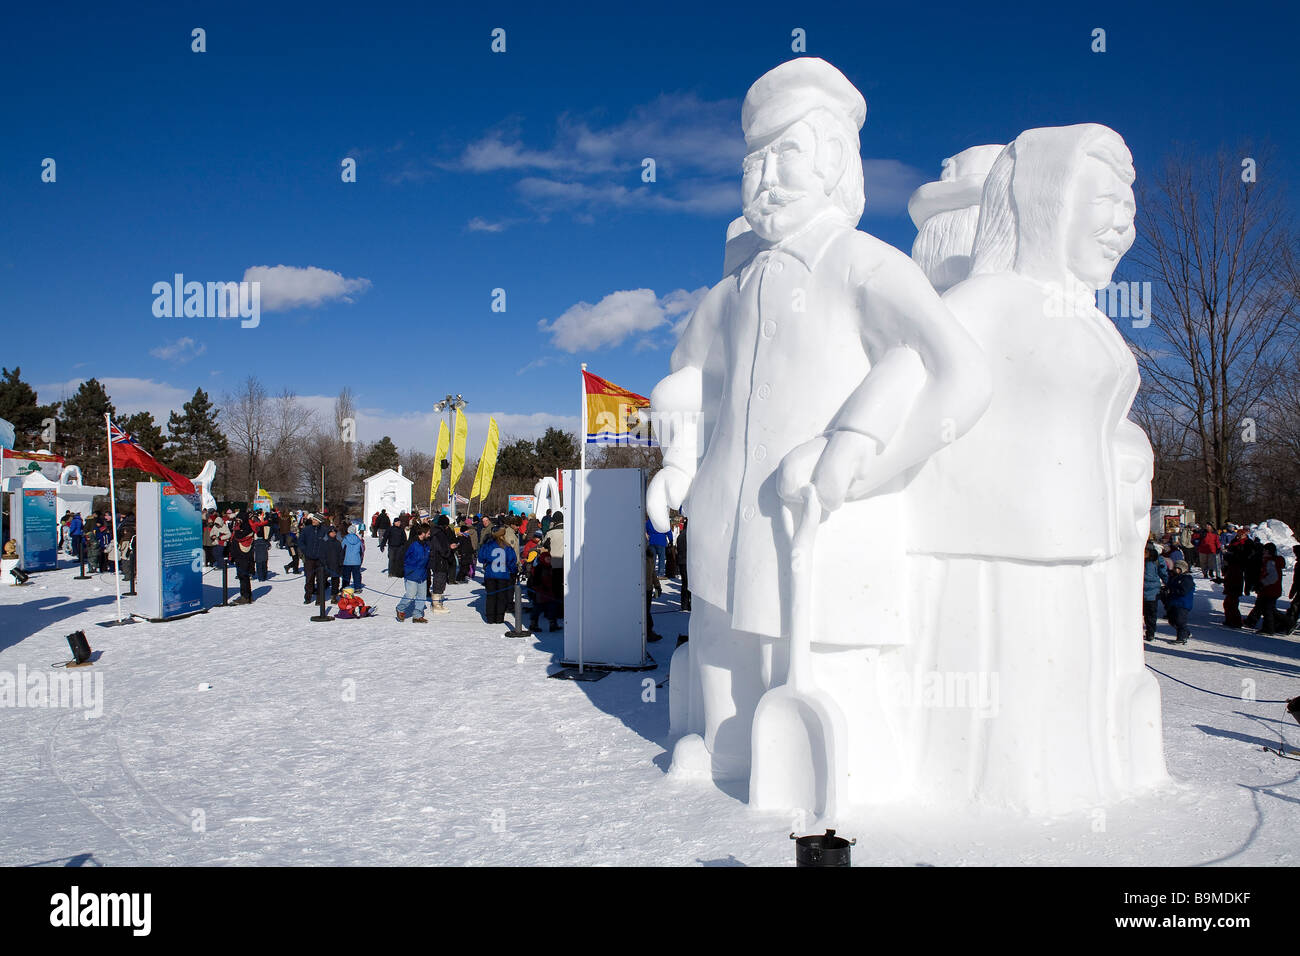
(776, 196)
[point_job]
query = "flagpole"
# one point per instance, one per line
(581, 508)
(112, 499)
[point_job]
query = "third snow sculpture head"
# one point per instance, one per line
(1058, 207)
(946, 213)
(801, 123)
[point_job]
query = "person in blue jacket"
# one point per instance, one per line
(659, 541)
(1182, 588)
(415, 576)
(499, 563)
(76, 531)
(1155, 576)
(354, 553)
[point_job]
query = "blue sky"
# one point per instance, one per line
(519, 170)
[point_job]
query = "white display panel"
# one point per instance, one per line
(604, 567)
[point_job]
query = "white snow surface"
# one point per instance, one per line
(457, 750)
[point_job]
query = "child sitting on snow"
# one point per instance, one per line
(351, 605)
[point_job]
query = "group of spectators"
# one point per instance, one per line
(504, 548)
(425, 554)
(1242, 564)
(91, 539)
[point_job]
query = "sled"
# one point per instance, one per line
(349, 616)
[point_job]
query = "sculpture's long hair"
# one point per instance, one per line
(848, 192)
(1055, 155)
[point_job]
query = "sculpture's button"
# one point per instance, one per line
(748, 513)
(760, 453)
(769, 329)
(765, 391)
(777, 265)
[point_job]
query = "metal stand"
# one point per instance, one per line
(322, 585)
(81, 561)
(225, 583)
(520, 630)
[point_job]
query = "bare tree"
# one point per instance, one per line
(289, 424)
(246, 415)
(418, 466)
(1219, 252)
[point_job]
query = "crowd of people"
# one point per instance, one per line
(1243, 565)
(426, 554)
(91, 540)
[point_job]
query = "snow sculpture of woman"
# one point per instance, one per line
(1031, 526)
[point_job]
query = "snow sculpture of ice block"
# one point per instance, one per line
(946, 213)
(1038, 597)
(72, 495)
(546, 496)
(389, 491)
(807, 299)
(203, 485)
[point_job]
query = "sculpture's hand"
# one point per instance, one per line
(831, 463)
(667, 490)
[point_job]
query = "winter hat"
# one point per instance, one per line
(1180, 566)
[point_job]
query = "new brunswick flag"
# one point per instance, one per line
(615, 416)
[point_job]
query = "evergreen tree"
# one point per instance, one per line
(555, 449)
(194, 436)
(82, 435)
(145, 430)
(517, 461)
(18, 407)
(382, 454)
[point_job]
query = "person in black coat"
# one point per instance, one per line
(442, 558)
(262, 550)
(382, 524)
(681, 567)
(395, 542)
(331, 559)
(309, 545)
(241, 555)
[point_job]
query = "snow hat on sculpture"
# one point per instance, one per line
(946, 214)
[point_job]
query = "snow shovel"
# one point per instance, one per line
(799, 736)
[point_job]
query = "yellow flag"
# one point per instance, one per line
(487, 464)
(438, 456)
(458, 448)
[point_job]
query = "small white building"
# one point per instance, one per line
(388, 490)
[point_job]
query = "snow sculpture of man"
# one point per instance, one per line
(1028, 531)
(824, 357)
(946, 213)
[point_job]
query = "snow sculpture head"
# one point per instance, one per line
(1058, 207)
(801, 123)
(946, 214)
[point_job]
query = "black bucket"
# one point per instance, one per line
(822, 850)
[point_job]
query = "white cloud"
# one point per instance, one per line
(889, 183)
(616, 317)
(419, 430)
(589, 168)
(128, 395)
(589, 200)
(479, 224)
(290, 287)
(182, 350)
(679, 131)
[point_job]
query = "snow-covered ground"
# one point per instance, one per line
(373, 742)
